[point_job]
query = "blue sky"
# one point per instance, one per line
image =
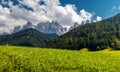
(103, 8)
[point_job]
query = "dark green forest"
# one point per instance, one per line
(94, 36)
(28, 37)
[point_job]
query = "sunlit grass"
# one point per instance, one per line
(23, 59)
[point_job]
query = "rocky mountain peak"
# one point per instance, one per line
(45, 27)
(28, 25)
(51, 27)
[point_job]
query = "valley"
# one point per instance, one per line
(59, 36)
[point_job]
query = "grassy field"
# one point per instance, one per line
(23, 59)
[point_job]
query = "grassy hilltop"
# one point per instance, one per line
(23, 59)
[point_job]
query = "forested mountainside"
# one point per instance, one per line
(94, 36)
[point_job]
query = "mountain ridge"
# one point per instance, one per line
(45, 27)
(27, 37)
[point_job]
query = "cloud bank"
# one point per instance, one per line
(38, 11)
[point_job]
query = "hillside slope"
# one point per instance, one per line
(28, 37)
(95, 36)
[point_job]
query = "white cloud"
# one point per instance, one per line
(99, 18)
(86, 16)
(119, 7)
(113, 7)
(50, 10)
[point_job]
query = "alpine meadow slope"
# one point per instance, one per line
(95, 36)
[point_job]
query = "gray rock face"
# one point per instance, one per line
(28, 25)
(44, 27)
(74, 26)
(51, 27)
(19, 28)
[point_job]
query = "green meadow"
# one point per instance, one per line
(26, 59)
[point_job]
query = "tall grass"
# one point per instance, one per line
(23, 59)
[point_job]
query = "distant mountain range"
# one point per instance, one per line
(44, 27)
(94, 36)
